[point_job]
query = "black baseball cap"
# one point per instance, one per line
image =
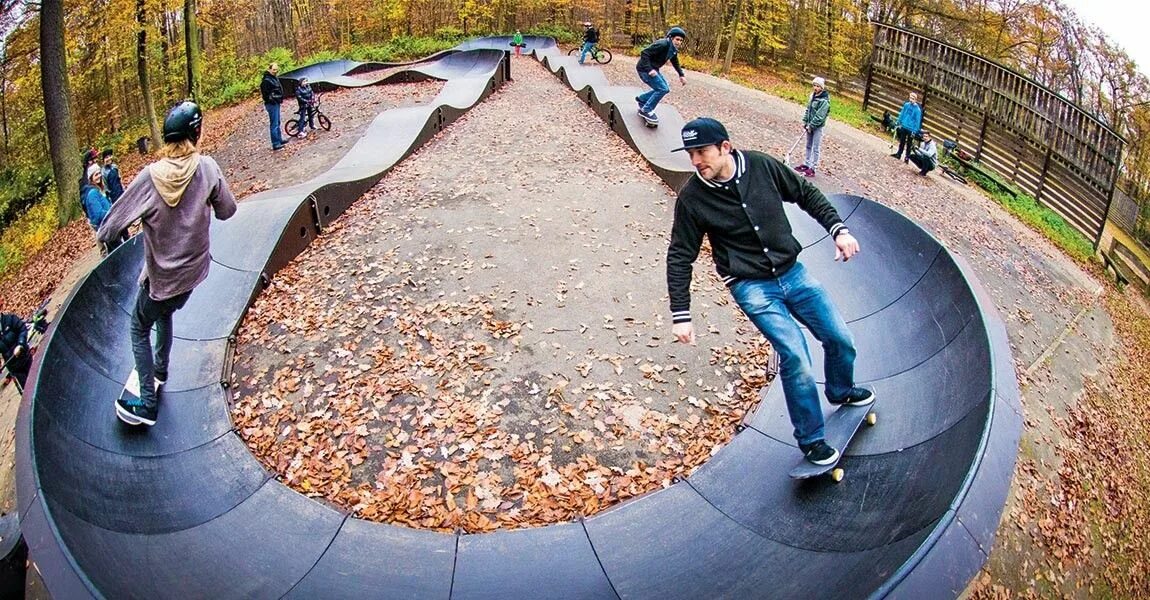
(703, 131)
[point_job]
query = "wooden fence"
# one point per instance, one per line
(1030, 136)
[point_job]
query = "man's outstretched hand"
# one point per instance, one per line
(846, 246)
(684, 332)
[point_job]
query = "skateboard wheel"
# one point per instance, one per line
(837, 475)
(871, 419)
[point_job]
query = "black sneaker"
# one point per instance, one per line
(136, 414)
(819, 453)
(856, 397)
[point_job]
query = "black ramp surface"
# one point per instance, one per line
(258, 550)
(187, 504)
(373, 559)
(916, 405)
(882, 499)
(556, 562)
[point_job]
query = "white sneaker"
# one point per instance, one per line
(302, 135)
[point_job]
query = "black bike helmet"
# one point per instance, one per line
(183, 122)
(677, 32)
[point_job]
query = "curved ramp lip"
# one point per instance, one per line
(937, 529)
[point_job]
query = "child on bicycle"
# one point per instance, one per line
(590, 38)
(651, 60)
(306, 98)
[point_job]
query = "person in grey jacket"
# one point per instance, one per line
(814, 119)
(175, 198)
(925, 157)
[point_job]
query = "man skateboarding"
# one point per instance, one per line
(736, 201)
(175, 198)
(651, 60)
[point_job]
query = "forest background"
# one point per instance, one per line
(75, 75)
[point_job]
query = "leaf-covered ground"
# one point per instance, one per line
(483, 340)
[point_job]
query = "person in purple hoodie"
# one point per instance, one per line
(175, 199)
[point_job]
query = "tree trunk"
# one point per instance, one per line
(142, 71)
(62, 145)
(192, 42)
(733, 39)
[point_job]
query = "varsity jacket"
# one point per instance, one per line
(744, 220)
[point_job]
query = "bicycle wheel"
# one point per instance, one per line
(324, 122)
(602, 56)
(291, 127)
(574, 51)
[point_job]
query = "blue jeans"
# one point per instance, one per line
(659, 88)
(274, 124)
(814, 147)
(777, 307)
(150, 312)
(586, 50)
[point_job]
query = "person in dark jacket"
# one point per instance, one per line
(736, 201)
(590, 38)
(814, 120)
(651, 60)
(306, 99)
(272, 92)
(14, 347)
(909, 124)
(112, 181)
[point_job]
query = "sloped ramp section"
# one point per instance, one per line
(184, 510)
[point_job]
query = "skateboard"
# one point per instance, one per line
(130, 392)
(840, 429)
(651, 121)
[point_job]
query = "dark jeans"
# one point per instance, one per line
(905, 140)
(306, 112)
(924, 164)
(159, 313)
(274, 124)
(18, 367)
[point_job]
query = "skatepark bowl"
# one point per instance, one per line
(184, 510)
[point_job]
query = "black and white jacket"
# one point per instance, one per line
(744, 220)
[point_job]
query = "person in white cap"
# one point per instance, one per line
(814, 119)
(735, 200)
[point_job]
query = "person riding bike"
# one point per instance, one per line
(590, 39)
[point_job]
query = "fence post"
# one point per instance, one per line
(869, 79)
(982, 133)
(1042, 177)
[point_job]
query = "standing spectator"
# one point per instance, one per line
(814, 119)
(112, 176)
(14, 347)
(306, 99)
(735, 200)
(651, 60)
(175, 198)
(926, 156)
(273, 95)
(909, 124)
(93, 198)
(590, 39)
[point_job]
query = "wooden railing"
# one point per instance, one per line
(1029, 135)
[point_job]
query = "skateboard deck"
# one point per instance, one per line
(130, 393)
(840, 429)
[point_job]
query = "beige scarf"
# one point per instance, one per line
(172, 175)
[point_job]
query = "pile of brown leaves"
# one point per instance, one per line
(394, 370)
(39, 277)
